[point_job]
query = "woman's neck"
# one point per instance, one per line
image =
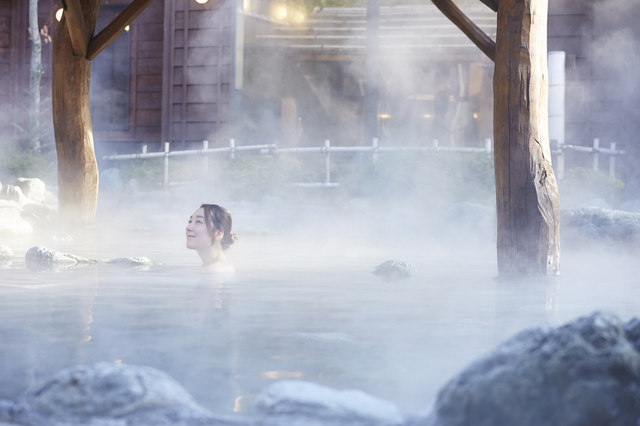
(211, 255)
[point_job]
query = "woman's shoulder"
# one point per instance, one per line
(223, 268)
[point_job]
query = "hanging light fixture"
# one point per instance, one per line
(59, 13)
(201, 1)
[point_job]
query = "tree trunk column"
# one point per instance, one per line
(527, 198)
(77, 167)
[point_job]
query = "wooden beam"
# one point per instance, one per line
(471, 30)
(77, 29)
(491, 4)
(111, 31)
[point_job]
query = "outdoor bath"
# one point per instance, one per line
(303, 305)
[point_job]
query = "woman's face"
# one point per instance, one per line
(198, 236)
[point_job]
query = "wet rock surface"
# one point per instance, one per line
(394, 270)
(5, 253)
(600, 226)
(108, 394)
(41, 259)
(290, 402)
(584, 373)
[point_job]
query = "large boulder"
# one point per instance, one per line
(12, 223)
(584, 373)
(132, 395)
(13, 193)
(293, 402)
(32, 188)
(600, 226)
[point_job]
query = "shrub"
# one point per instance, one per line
(582, 184)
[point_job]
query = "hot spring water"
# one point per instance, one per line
(299, 308)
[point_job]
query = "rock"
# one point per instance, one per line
(586, 372)
(294, 402)
(130, 262)
(394, 270)
(134, 395)
(41, 216)
(33, 188)
(110, 180)
(598, 225)
(12, 224)
(42, 259)
(13, 193)
(5, 253)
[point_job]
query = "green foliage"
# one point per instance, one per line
(429, 177)
(26, 163)
(252, 177)
(582, 184)
(149, 174)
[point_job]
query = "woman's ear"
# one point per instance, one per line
(218, 234)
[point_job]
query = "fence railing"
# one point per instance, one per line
(373, 149)
(595, 152)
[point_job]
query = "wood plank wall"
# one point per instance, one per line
(569, 30)
(198, 73)
(146, 86)
(6, 92)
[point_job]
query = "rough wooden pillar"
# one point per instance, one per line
(77, 167)
(526, 190)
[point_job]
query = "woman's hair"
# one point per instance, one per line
(219, 218)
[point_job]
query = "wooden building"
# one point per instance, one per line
(185, 72)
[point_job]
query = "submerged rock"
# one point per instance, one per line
(293, 402)
(394, 270)
(41, 259)
(586, 372)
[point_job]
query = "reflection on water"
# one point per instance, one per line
(291, 313)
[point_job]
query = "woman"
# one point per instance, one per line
(209, 233)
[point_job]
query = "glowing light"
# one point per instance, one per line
(428, 116)
(246, 5)
(86, 338)
(126, 28)
(279, 375)
(201, 1)
(280, 12)
(475, 115)
(384, 115)
(298, 18)
(117, 362)
(59, 14)
(237, 404)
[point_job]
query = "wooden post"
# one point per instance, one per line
(527, 197)
(167, 146)
(232, 150)
(327, 162)
(205, 158)
(612, 160)
(77, 167)
(596, 155)
(374, 144)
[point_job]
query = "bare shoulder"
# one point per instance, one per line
(222, 268)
